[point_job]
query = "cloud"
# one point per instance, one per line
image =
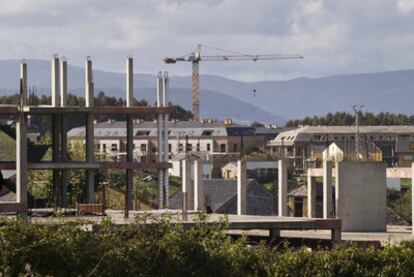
(334, 36)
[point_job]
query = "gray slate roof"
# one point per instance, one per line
(306, 133)
(223, 197)
(178, 129)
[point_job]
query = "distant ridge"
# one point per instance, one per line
(272, 101)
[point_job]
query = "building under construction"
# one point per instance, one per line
(28, 156)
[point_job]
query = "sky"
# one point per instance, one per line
(334, 36)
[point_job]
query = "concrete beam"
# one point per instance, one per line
(86, 165)
(241, 188)
(198, 186)
(327, 189)
(282, 188)
(48, 110)
(10, 207)
(311, 196)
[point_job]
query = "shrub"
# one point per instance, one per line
(163, 247)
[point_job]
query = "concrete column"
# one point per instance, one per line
(311, 195)
(282, 188)
(186, 188)
(55, 81)
(241, 187)
(337, 191)
(165, 137)
(21, 144)
(23, 83)
(198, 186)
(130, 135)
(160, 143)
(327, 189)
(63, 82)
(412, 196)
(63, 135)
(90, 174)
(21, 162)
(56, 130)
(129, 81)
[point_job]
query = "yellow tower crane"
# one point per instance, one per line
(195, 58)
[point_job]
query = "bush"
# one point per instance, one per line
(164, 248)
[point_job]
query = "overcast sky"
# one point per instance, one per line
(335, 36)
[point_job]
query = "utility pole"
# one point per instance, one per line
(357, 109)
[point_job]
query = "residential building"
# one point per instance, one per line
(255, 169)
(205, 138)
(306, 144)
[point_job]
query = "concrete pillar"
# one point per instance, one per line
(55, 81)
(21, 144)
(129, 81)
(327, 189)
(198, 186)
(63, 135)
(63, 82)
(241, 187)
(90, 174)
(130, 135)
(166, 185)
(311, 195)
(160, 143)
(56, 130)
(412, 196)
(282, 188)
(21, 162)
(23, 83)
(186, 188)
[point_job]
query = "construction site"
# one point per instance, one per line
(347, 182)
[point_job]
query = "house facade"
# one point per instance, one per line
(307, 144)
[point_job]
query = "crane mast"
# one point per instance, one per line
(196, 57)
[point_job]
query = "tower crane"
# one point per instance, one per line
(195, 58)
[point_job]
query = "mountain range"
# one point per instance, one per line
(264, 101)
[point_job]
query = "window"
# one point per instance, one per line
(198, 147)
(235, 147)
(143, 147)
(189, 147)
(180, 147)
(208, 147)
(154, 149)
(222, 148)
(104, 148)
(169, 147)
(207, 133)
(114, 147)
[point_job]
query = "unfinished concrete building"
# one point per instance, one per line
(61, 163)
